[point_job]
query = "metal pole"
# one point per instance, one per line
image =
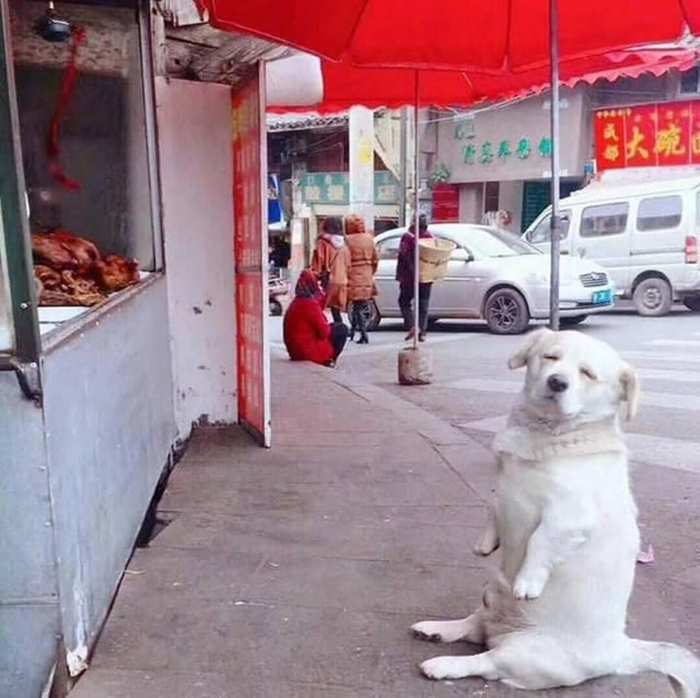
(403, 165)
(416, 213)
(555, 222)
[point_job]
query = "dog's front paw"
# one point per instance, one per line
(440, 668)
(530, 584)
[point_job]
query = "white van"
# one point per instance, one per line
(645, 234)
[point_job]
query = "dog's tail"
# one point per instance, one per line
(680, 665)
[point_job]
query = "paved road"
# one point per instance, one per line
(473, 391)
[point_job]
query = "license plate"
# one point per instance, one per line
(602, 297)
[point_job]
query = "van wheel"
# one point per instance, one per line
(653, 297)
(506, 312)
(692, 303)
(571, 321)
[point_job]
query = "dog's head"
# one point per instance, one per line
(571, 376)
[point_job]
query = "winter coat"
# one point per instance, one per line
(331, 260)
(307, 332)
(363, 266)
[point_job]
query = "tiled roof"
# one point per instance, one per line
(299, 122)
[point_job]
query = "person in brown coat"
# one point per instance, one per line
(330, 264)
(363, 266)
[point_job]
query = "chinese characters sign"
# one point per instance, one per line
(250, 242)
(648, 136)
(486, 152)
(334, 188)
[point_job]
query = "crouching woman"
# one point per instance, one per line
(308, 335)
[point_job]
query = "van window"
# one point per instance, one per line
(660, 213)
(542, 231)
(606, 219)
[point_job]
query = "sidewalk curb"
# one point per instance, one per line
(466, 457)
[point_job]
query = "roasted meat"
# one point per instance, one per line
(49, 278)
(50, 251)
(62, 250)
(70, 271)
(84, 252)
(113, 273)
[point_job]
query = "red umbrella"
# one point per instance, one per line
(482, 34)
(345, 86)
(494, 36)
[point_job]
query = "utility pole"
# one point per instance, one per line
(403, 165)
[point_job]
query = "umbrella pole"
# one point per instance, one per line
(555, 246)
(416, 213)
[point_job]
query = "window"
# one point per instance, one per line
(95, 237)
(660, 213)
(491, 194)
(607, 219)
(389, 248)
(542, 232)
(690, 81)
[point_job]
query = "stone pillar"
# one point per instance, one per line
(362, 164)
(415, 366)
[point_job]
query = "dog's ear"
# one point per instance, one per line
(630, 391)
(532, 341)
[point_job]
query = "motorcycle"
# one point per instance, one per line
(279, 291)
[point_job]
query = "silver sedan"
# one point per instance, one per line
(495, 276)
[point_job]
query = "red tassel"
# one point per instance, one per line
(64, 98)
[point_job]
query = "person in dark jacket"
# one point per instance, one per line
(308, 336)
(405, 277)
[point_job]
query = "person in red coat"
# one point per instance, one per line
(308, 335)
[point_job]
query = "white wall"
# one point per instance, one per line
(471, 202)
(194, 133)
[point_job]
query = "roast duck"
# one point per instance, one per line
(71, 271)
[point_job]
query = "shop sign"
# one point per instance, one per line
(487, 151)
(386, 188)
(326, 188)
(652, 135)
(250, 202)
(334, 188)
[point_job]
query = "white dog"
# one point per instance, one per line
(565, 521)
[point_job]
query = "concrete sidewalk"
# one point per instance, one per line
(296, 572)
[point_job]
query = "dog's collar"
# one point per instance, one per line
(530, 437)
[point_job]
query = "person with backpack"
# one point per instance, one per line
(330, 264)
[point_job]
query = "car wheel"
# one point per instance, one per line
(692, 303)
(372, 315)
(571, 321)
(653, 297)
(506, 312)
(275, 307)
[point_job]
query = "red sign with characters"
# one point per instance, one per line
(652, 135)
(445, 203)
(250, 251)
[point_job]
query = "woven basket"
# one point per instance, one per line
(434, 256)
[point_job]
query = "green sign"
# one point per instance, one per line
(485, 152)
(334, 188)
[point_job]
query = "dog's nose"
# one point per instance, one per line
(557, 383)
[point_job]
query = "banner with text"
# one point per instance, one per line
(250, 203)
(652, 135)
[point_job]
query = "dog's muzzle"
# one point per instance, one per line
(557, 383)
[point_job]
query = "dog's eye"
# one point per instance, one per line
(588, 373)
(551, 357)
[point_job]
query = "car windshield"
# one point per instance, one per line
(489, 242)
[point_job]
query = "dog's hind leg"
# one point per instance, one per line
(524, 660)
(471, 629)
(440, 668)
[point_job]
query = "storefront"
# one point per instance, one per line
(107, 361)
(499, 159)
